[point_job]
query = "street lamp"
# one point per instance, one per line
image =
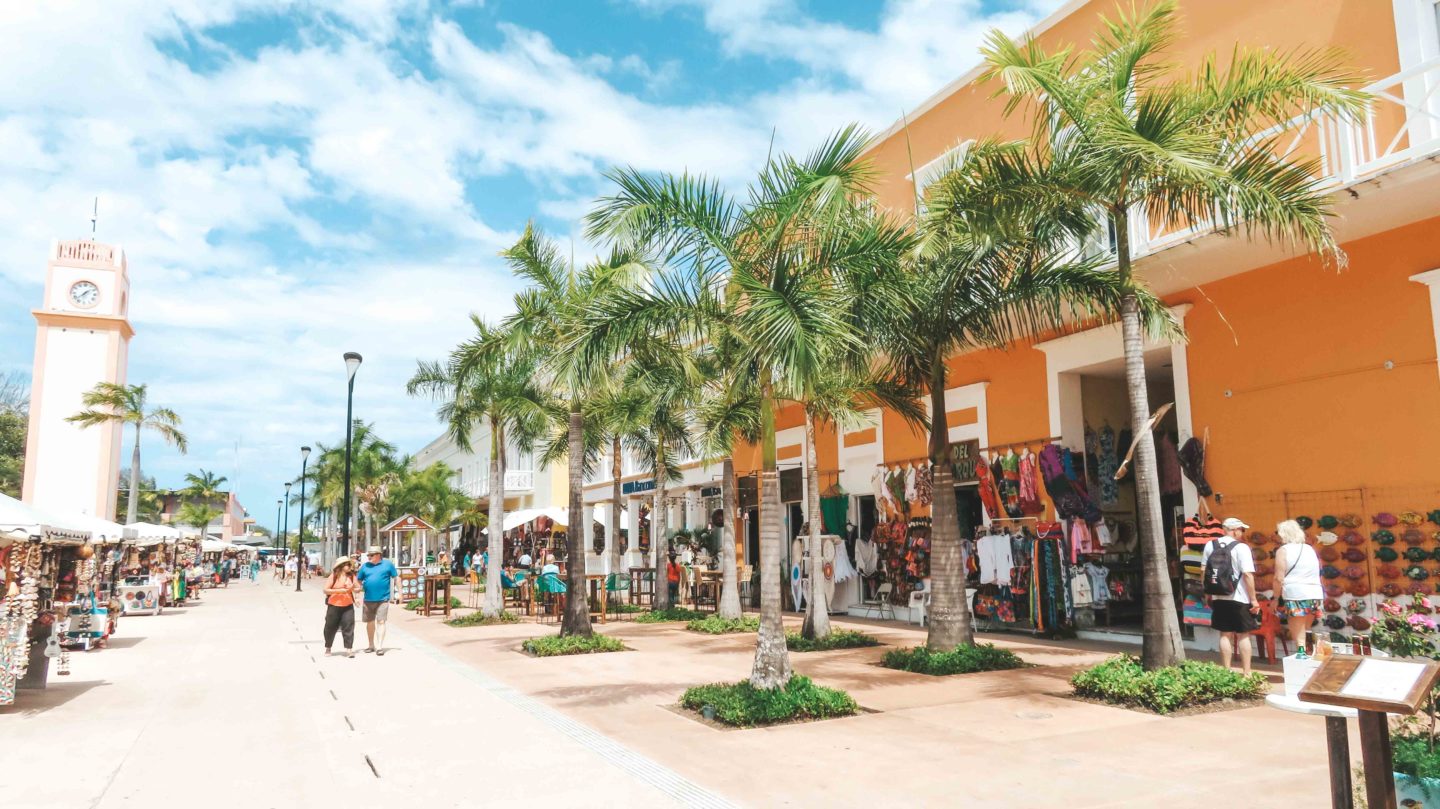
(352, 364)
(278, 536)
(300, 539)
(285, 531)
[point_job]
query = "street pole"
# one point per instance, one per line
(276, 540)
(352, 364)
(285, 531)
(300, 537)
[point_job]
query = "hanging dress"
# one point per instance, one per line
(1029, 486)
(989, 496)
(1009, 480)
(924, 486)
(1109, 462)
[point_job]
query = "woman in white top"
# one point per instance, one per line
(1297, 577)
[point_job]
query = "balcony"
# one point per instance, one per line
(516, 482)
(1402, 127)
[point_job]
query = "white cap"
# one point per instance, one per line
(1231, 523)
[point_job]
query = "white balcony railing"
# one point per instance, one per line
(1402, 124)
(516, 481)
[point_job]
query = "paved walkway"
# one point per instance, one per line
(231, 703)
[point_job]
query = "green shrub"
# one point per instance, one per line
(414, 603)
(671, 614)
(742, 705)
(963, 660)
(715, 625)
(457, 580)
(1123, 681)
(838, 639)
(621, 608)
(554, 645)
(480, 619)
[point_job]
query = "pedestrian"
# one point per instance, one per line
(1297, 577)
(255, 571)
(340, 593)
(377, 576)
(672, 578)
(291, 568)
(525, 561)
(1230, 584)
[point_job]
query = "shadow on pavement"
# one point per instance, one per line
(59, 691)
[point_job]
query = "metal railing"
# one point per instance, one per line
(515, 481)
(85, 251)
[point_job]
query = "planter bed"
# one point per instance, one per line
(557, 645)
(740, 705)
(963, 660)
(1189, 687)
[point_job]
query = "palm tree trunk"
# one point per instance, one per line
(577, 602)
(133, 507)
(1162, 643)
(949, 613)
(817, 608)
(772, 659)
(494, 602)
(658, 528)
(729, 532)
(613, 534)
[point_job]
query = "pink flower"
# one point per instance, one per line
(1424, 602)
(1390, 608)
(1419, 621)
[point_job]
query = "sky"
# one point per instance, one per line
(294, 179)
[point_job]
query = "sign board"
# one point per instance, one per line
(1372, 683)
(963, 455)
(409, 523)
(637, 486)
(710, 491)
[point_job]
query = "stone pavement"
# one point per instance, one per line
(231, 703)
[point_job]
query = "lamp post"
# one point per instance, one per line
(352, 364)
(279, 538)
(300, 536)
(285, 531)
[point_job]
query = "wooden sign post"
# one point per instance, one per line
(1374, 686)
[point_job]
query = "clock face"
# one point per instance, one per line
(84, 294)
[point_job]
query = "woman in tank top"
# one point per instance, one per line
(1297, 577)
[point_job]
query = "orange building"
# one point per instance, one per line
(1316, 391)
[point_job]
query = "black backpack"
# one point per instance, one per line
(1221, 572)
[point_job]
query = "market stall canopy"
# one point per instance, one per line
(409, 522)
(148, 533)
(214, 546)
(101, 530)
(20, 521)
(557, 514)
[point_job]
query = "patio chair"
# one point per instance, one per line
(880, 604)
(552, 592)
(615, 583)
(919, 607)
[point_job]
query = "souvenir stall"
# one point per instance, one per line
(408, 544)
(898, 551)
(145, 585)
(31, 579)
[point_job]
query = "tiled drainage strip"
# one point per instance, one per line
(686, 792)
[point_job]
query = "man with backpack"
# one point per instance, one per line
(1230, 584)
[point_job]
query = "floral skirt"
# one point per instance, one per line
(1294, 608)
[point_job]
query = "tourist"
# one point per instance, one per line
(340, 593)
(1297, 578)
(377, 576)
(1230, 584)
(255, 571)
(290, 568)
(672, 577)
(525, 561)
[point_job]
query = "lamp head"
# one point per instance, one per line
(304, 453)
(287, 488)
(352, 364)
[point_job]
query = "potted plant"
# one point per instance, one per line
(1409, 632)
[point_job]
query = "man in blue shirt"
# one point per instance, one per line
(376, 576)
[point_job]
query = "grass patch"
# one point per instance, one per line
(671, 614)
(838, 639)
(480, 619)
(963, 660)
(1122, 681)
(414, 603)
(742, 705)
(555, 645)
(715, 625)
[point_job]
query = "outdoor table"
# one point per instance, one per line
(1337, 737)
(707, 590)
(432, 600)
(596, 583)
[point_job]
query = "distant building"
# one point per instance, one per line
(232, 524)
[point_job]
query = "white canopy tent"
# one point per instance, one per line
(20, 521)
(101, 530)
(560, 515)
(147, 534)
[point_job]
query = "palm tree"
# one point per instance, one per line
(729, 411)
(204, 486)
(430, 494)
(484, 382)
(546, 313)
(1122, 133)
(621, 409)
(760, 274)
(109, 403)
(198, 516)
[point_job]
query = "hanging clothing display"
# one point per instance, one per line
(895, 483)
(877, 482)
(844, 571)
(1009, 480)
(1108, 463)
(1029, 475)
(995, 558)
(1080, 592)
(911, 495)
(834, 511)
(1099, 582)
(1192, 463)
(867, 556)
(924, 485)
(989, 495)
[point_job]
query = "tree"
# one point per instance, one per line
(109, 403)
(1126, 135)
(430, 494)
(482, 382)
(14, 431)
(728, 411)
(762, 275)
(150, 506)
(204, 486)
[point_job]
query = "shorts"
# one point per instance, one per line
(377, 611)
(1299, 608)
(1227, 616)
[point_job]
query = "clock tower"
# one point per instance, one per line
(82, 336)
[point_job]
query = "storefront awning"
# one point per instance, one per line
(22, 521)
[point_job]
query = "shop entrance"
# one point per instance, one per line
(968, 509)
(1117, 589)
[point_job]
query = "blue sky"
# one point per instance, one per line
(292, 179)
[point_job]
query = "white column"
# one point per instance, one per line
(632, 527)
(1431, 279)
(587, 523)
